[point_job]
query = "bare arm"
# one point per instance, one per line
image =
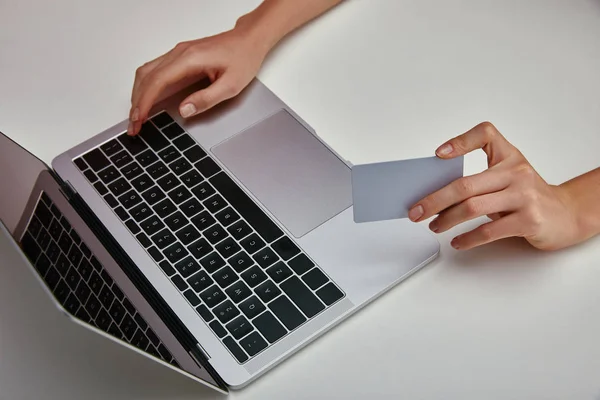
(584, 194)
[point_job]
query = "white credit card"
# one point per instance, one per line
(383, 191)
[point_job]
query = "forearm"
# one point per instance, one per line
(584, 194)
(274, 19)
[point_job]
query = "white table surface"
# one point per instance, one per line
(379, 80)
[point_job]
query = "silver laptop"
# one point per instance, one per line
(217, 246)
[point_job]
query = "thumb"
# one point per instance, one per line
(225, 87)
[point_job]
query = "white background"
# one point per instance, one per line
(379, 80)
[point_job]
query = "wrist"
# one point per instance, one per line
(255, 28)
(585, 225)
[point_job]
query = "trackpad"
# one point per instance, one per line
(299, 180)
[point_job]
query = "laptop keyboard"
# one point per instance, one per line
(81, 284)
(248, 281)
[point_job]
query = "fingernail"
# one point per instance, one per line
(434, 226)
(454, 243)
(188, 110)
(136, 115)
(130, 129)
(415, 213)
(444, 150)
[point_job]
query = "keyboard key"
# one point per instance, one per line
(85, 250)
(75, 255)
(30, 248)
(83, 315)
(75, 237)
(218, 329)
(279, 272)
(147, 158)
(157, 170)
(240, 262)
(155, 254)
(130, 199)
(253, 344)
(226, 311)
(253, 243)
(119, 187)
(143, 239)
(329, 294)
(140, 340)
(96, 283)
(62, 265)
(207, 167)
(301, 264)
(239, 230)
(114, 331)
(118, 293)
(287, 313)
(163, 238)
(270, 328)
(93, 306)
(103, 320)
(140, 212)
(161, 120)
(188, 234)
(42, 265)
(200, 281)
(128, 306)
(203, 220)
(73, 278)
(187, 266)
(85, 269)
(100, 188)
(227, 216)
(169, 154)
(180, 166)
(252, 307)
(53, 251)
(285, 248)
(121, 159)
(140, 321)
(240, 201)
(176, 221)
(315, 278)
(43, 215)
(168, 182)
(83, 292)
(238, 291)
(112, 147)
(96, 160)
(142, 183)
(212, 296)
(179, 282)
(191, 178)
(152, 225)
(175, 252)
(267, 291)
(200, 248)
(239, 327)
(167, 268)
(203, 191)
(34, 226)
(46, 199)
(194, 154)
(215, 234)
(111, 200)
(132, 170)
(225, 277)
(266, 257)
(215, 203)
(132, 143)
(212, 262)
(152, 351)
(106, 297)
(191, 297)
(180, 194)
(302, 296)
(205, 313)
(228, 247)
(128, 327)
(153, 137)
(52, 278)
(91, 176)
(183, 142)
(121, 213)
(117, 312)
(80, 164)
(254, 276)
(191, 207)
(236, 350)
(164, 208)
(44, 239)
(172, 131)
(152, 336)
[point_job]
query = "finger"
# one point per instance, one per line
(491, 231)
(475, 207)
(489, 181)
(225, 87)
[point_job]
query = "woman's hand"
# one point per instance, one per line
(510, 192)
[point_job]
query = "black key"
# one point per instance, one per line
(75, 255)
(161, 120)
(267, 291)
(180, 194)
(176, 221)
(117, 311)
(44, 239)
(212, 262)
(42, 264)
(152, 351)
(172, 131)
(252, 307)
(163, 238)
(169, 154)
(283, 308)
(301, 264)
(207, 167)
(121, 159)
(100, 188)
(157, 170)
(96, 160)
(34, 227)
(85, 250)
(238, 291)
(302, 296)
(114, 331)
(140, 321)
(132, 143)
(200, 248)
(203, 220)
(118, 293)
(111, 200)
(329, 294)
(62, 265)
(119, 187)
(152, 336)
(112, 147)
(128, 306)
(167, 268)
(233, 347)
(270, 328)
(153, 137)
(30, 248)
(75, 237)
(180, 166)
(132, 170)
(227, 216)
(155, 254)
(225, 277)
(315, 278)
(46, 199)
(285, 248)
(254, 276)
(61, 292)
(168, 182)
(215, 233)
(43, 214)
(226, 311)
(142, 183)
(183, 142)
(96, 283)
(239, 327)
(80, 164)
(215, 203)
(140, 340)
(106, 297)
(240, 262)
(53, 251)
(106, 277)
(191, 297)
(228, 247)
(52, 278)
(91, 176)
(83, 315)
(252, 243)
(218, 329)
(164, 208)
(188, 234)
(147, 158)
(240, 201)
(266, 257)
(253, 344)
(103, 320)
(194, 154)
(200, 281)
(175, 252)
(191, 207)
(73, 278)
(187, 266)
(179, 282)
(143, 239)
(212, 296)
(191, 178)
(203, 191)
(92, 306)
(130, 199)
(140, 212)
(164, 352)
(239, 230)
(55, 210)
(85, 269)
(152, 225)
(128, 327)
(83, 292)
(121, 213)
(279, 272)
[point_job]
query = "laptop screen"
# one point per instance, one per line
(19, 170)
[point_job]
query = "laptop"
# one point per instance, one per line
(217, 246)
